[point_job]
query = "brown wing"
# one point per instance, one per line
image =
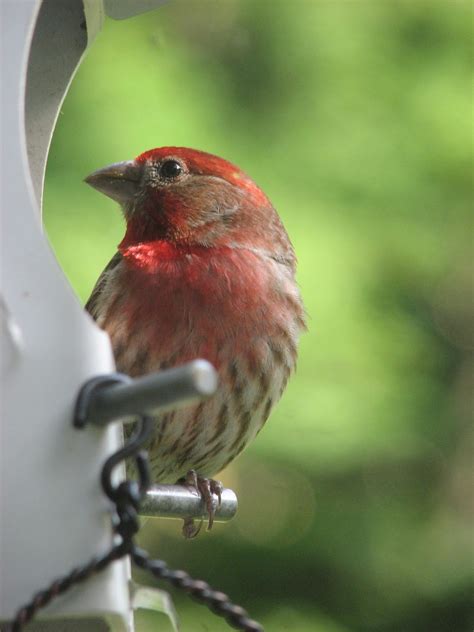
(95, 298)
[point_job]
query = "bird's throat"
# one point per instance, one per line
(150, 254)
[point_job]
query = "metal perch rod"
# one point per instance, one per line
(160, 391)
(175, 501)
(113, 397)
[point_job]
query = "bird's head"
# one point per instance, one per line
(191, 198)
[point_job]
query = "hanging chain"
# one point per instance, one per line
(126, 497)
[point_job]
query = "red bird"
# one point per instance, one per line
(205, 270)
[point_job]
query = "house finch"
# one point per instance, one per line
(205, 270)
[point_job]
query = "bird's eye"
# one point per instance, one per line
(171, 169)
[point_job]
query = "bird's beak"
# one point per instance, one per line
(119, 181)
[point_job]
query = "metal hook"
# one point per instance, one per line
(132, 448)
(84, 413)
(85, 398)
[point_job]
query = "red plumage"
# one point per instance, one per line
(206, 269)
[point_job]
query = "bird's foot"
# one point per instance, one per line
(207, 488)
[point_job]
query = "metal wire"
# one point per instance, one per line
(127, 500)
(127, 497)
(78, 575)
(218, 602)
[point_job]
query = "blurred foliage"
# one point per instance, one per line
(355, 117)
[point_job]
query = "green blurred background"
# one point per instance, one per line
(355, 117)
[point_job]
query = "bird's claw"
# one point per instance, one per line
(190, 530)
(206, 488)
